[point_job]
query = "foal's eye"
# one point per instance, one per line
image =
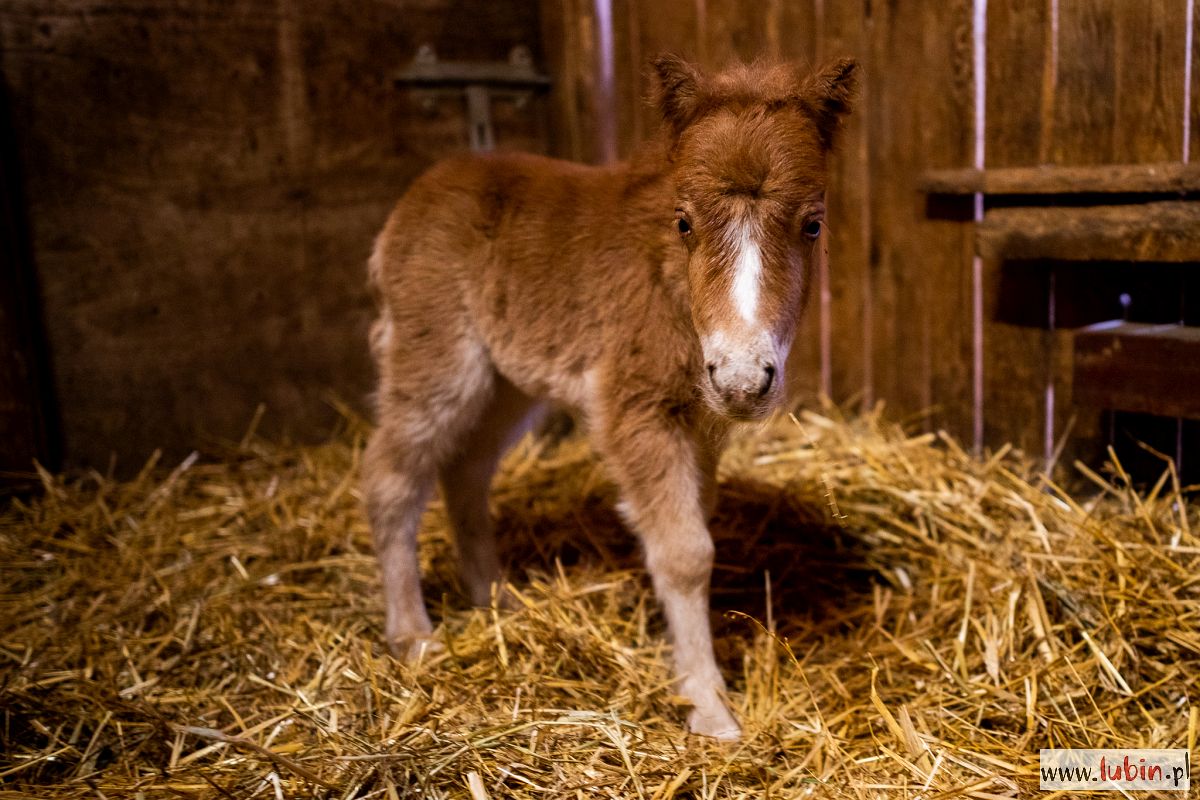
(812, 229)
(682, 224)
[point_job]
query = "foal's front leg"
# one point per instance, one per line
(665, 478)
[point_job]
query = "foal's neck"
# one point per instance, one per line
(649, 163)
(646, 212)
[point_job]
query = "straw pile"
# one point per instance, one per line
(897, 619)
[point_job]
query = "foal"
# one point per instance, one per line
(657, 298)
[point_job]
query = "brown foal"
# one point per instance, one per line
(657, 298)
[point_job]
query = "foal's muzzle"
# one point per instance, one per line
(742, 382)
(741, 389)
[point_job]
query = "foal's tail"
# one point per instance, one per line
(381, 329)
(375, 271)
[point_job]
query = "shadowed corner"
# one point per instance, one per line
(781, 558)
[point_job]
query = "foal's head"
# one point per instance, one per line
(748, 152)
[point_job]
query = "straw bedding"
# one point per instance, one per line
(896, 618)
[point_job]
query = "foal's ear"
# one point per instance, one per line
(677, 90)
(828, 94)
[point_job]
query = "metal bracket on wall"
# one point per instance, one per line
(479, 82)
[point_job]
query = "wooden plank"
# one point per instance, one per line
(1130, 366)
(632, 88)
(1192, 136)
(1165, 231)
(921, 95)
(1156, 178)
(1148, 62)
(842, 31)
(1085, 115)
(568, 33)
(1022, 86)
(794, 30)
(784, 31)
(1020, 81)
(665, 28)
(735, 30)
(1120, 82)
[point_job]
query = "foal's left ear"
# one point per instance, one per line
(828, 94)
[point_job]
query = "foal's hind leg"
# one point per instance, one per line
(466, 479)
(397, 482)
(427, 399)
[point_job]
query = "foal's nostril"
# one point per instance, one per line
(766, 386)
(712, 374)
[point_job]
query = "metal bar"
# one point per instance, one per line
(479, 119)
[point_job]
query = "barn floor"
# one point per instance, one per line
(896, 617)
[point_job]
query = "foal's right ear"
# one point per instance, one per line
(677, 91)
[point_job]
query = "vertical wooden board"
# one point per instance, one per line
(735, 30)
(1019, 81)
(1085, 117)
(791, 30)
(1016, 355)
(898, 378)
(789, 33)
(584, 41)
(1014, 398)
(842, 33)
(631, 76)
(944, 120)
(1193, 133)
(1026, 360)
(670, 28)
(1078, 432)
(568, 35)
(920, 96)
(1149, 59)
(1019, 119)
(560, 54)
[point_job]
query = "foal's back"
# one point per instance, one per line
(540, 261)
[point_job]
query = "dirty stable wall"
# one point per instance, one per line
(202, 183)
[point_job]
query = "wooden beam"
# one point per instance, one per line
(1165, 231)
(1107, 179)
(1133, 366)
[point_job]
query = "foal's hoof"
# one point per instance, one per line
(415, 649)
(506, 600)
(716, 723)
(495, 594)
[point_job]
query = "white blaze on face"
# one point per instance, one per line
(747, 271)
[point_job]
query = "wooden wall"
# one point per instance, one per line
(1063, 82)
(1100, 82)
(204, 179)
